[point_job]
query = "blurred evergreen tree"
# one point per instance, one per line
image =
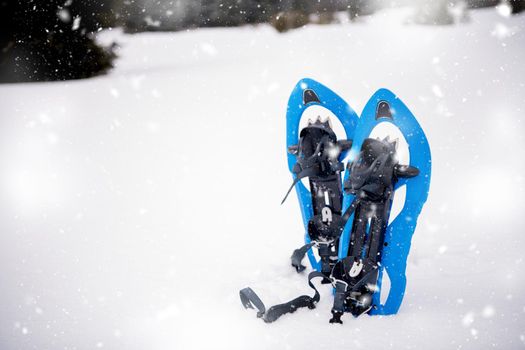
(47, 40)
(433, 12)
(359, 8)
(517, 6)
(95, 14)
(482, 3)
(226, 13)
(131, 14)
(261, 11)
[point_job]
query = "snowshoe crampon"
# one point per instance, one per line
(347, 222)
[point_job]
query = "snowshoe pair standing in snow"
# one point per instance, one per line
(347, 220)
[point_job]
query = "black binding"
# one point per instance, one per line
(318, 155)
(372, 179)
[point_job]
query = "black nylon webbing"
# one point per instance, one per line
(350, 210)
(302, 174)
(298, 255)
(307, 165)
(250, 299)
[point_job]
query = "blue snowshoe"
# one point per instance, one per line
(349, 225)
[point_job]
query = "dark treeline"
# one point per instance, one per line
(54, 39)
(171, 15)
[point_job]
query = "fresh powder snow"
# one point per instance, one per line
(134, 206)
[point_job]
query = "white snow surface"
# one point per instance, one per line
(134, 206)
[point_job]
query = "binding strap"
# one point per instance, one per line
(314, 165)
(307, 172)
(298, 254)
(251, 300)
(350, 210)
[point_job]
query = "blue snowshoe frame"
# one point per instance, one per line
(399, 232)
